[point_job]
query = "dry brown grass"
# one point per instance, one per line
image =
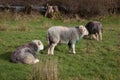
(47, 25)
(21, 28)
(89, 49)
(3, 28)
(18, 28)
(44, 70)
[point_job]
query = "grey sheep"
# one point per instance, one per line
(65, 35)
(27, 53)
(95, 29)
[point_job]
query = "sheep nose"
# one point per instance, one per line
(86, 33)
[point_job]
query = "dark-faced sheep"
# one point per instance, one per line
(67, 35)
(27, 53)
(95, 29)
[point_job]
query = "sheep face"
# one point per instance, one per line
(39, 44)
(83, 30)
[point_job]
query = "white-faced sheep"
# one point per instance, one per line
(27, 53)
(67, 35)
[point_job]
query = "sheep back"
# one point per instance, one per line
(60, 34)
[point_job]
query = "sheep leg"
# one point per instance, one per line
(52, 48)
(70, 50)
(100, 35)
(94, 36)
(70, 47)
(91, 36)
(73, 48)
(49, 49)
(97, 36)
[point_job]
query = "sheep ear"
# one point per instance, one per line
(38, 43)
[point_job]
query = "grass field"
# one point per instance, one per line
(94, 60)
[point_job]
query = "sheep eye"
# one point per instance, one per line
(38, 43)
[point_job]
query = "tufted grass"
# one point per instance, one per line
(93, 61)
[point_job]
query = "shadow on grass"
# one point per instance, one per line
(6, 56)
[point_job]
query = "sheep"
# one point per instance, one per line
(95, 29)
(27, 53)
(65, 35)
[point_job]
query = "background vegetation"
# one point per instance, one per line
(94, 60)
(73, 8)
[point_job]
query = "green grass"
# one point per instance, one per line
(94, 60)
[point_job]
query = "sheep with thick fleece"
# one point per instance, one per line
(27, 53)
(66, 35)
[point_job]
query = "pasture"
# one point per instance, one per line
(94, 60)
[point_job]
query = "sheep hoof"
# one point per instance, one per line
(50, 54)
(36, 60)
(74, 52)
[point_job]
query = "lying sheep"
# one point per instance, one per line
(67, 35)
(27, 53)
(95, 29)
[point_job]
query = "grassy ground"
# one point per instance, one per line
(93, 61)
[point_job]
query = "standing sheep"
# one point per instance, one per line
(66, 35)
(95, 29)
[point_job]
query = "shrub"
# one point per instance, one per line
(84, 8)
(89, 7)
